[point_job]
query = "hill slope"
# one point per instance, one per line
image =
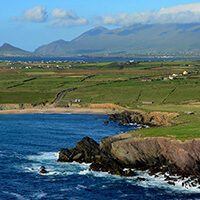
(9, 50)
(135, 39)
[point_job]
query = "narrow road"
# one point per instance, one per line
(60, 94)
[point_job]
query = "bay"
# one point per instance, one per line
(29, 141)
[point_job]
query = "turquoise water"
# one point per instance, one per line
(29, 141)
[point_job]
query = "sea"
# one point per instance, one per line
(94, 59)
(29, 141)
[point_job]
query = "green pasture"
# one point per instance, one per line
(188, 128)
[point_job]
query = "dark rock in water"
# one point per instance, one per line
(64, 155)
(140, 179)
(111, 166)
(171, 183)
(84, 151)
(107, 166)
(43, 170)
(129, 173)
(106, 122)
(168, 178)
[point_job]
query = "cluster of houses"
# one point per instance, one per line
(170, 77)
(42, 64)
(173, 76)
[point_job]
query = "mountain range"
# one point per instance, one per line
(136, 39)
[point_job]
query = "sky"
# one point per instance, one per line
(28, 24)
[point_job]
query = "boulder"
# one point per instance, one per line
(140, 179)
(85, 151)
(43, 170)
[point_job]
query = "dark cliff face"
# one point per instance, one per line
(154, 153)
(116, 153)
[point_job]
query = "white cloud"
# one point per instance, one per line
(59, 17)
(194, 7)
(35, 14)
(63, 14)
(68, 22)
(189, 13)
(66, 18)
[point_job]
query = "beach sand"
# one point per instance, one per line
(57, 110)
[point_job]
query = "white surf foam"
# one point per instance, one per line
(44, 156)
(48, 159)
(159, 182)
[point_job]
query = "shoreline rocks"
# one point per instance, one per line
(139, 117)
(120, 154)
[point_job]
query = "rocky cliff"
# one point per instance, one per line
(144, 118)
(124, 153)
(155, 154)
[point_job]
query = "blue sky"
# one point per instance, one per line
(30, 23)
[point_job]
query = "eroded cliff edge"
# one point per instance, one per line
(124, 153)
(155, 154)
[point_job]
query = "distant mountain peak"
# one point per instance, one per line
(61, 40)
(100, 28)
(95, 31)
(53, 47)
(5, 45)
(8, 49)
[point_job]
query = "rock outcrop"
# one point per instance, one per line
(43, 170)
(155, 154)
(85, 151)
(140, 117)
(88, 151)
(122, 153)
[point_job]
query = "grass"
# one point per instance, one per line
(189, 128)
(25, 97)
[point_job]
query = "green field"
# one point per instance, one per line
(138, 85)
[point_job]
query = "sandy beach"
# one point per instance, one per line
(106, 108)
(57, 110)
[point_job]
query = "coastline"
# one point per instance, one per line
(58, 110)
